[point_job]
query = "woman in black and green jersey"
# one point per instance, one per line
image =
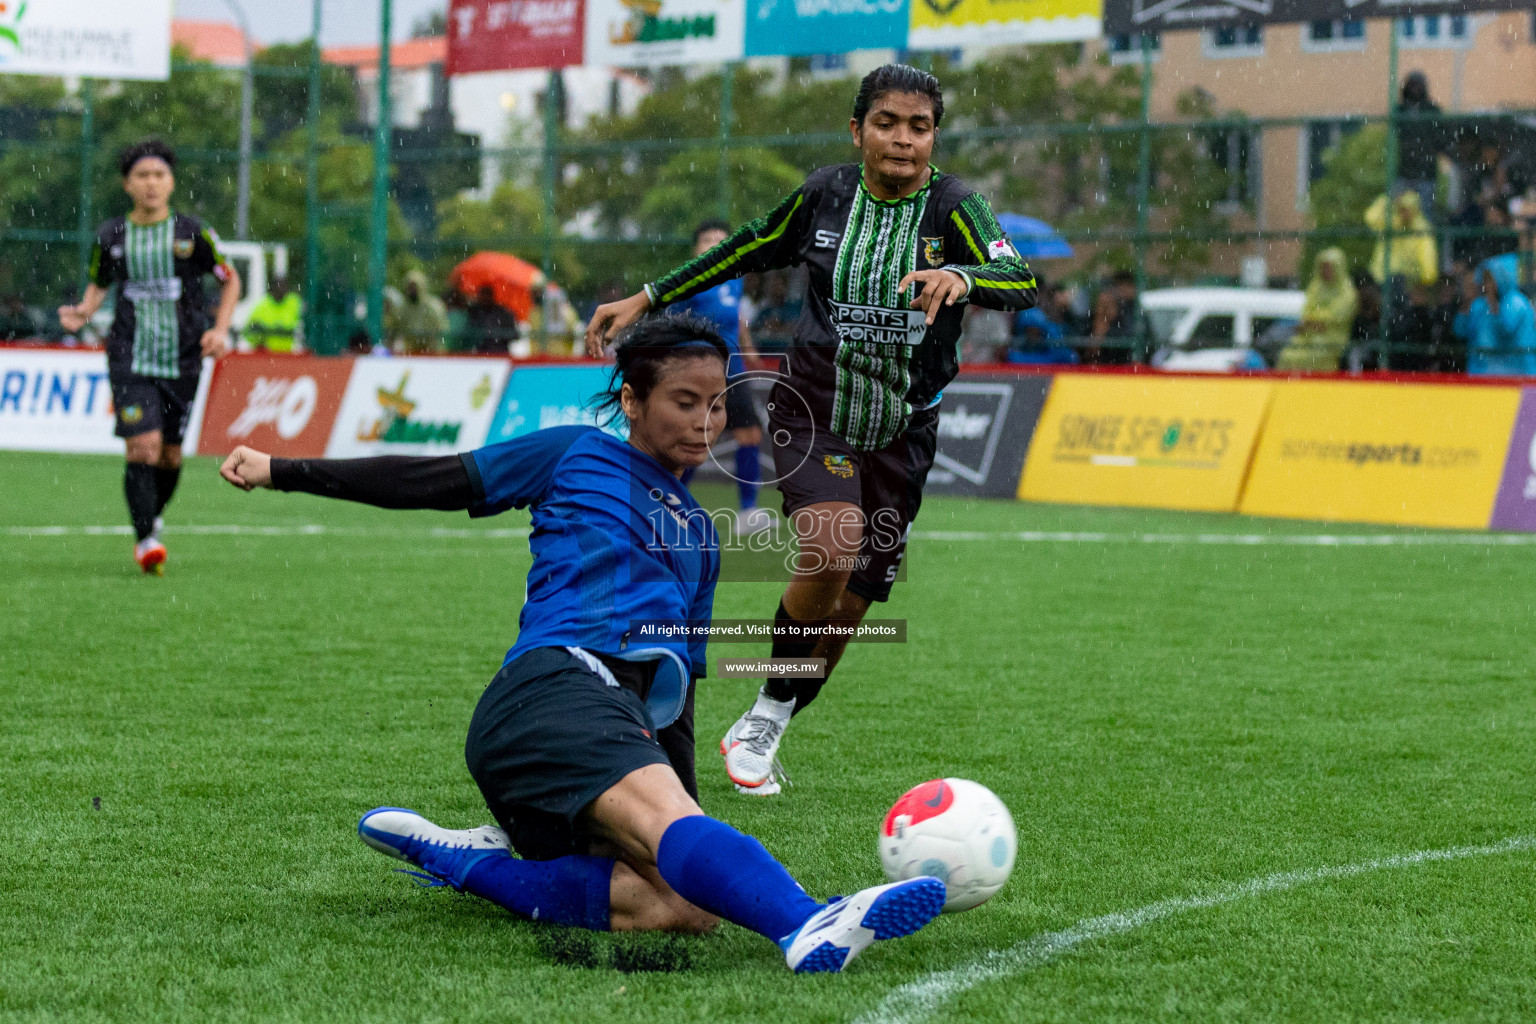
(160, 331)
(895, 248)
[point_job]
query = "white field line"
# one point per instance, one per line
(918, 1000)
(1319, 540)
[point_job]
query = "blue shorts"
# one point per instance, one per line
(549, 736)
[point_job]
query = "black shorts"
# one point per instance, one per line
(548, 737)
(815, 465)
(144, 403)
(739, 410)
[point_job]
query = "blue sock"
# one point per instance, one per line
(568, 890)
(749, 473)
(687, 475)
(729, 874)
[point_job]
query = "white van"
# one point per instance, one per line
(1216, 330)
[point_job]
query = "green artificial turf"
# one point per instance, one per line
(184, 761)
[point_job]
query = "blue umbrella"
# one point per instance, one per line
(1035, 239)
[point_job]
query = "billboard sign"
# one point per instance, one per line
(641, 33)
(122, 39)
(1125, 17)
(430, 406)
(985, 425)
(1158, 442)
(538, 397)
(502, 35)
(801, 27)
(1515, 506)
(949, 23)
(282, 405)
(53, 401)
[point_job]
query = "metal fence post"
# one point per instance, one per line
(727, 107)
(1143, 193)
(553, 101)
(87, 159)
(312, 191)
(379, 231)
(1384, 333)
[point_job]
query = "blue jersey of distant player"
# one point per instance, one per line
(722, 306)
(617, 539)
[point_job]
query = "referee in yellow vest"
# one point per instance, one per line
(274, 323)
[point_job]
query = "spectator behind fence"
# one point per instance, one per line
(421, 320)
(275, 323)
(1115, 314)
(1415, 257)
(1327, 316)
(1500, 326)
(489, 327)
(1039, 332)
(1421, 139)
(1366, 330)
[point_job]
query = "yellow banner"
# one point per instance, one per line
(947, 23)
(1163, 442)
(1416, 454)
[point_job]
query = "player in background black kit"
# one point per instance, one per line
(895, 249)
(157, 259)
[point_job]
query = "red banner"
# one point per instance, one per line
(503, 35)
(283, 405)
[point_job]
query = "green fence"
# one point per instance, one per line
(605, 207)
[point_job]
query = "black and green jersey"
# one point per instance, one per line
(861, 356)
(161, 311)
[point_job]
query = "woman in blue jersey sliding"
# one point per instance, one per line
(564, 742)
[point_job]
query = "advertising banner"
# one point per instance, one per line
(1123, 17)
(502, 35)
(985, 425)
(1515, 506)
(547, 396)
(122, 39)
(1415, 454)
(1161, 442)
(53, 401)
(796, 27)
(638, 33)
(948, 23)
(283, 405)
(416, 406)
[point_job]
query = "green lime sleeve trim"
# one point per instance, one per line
(736, 252)
(965, 232)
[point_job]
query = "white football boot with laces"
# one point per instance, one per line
(834, 935)
(751, 747)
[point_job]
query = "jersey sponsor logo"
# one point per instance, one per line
(1001, 249)
(155, 289)
(838, 465)
(826, 239)
(285, 404)
(877, 325)
(182, 248)
(933, 251)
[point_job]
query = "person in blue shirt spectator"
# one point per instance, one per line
(564, 743)
(1500, 326)
(723, 307)
(1039, 332)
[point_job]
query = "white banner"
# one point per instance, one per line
(90, 38)
(53, 401)
(656, 32)
(417, 406)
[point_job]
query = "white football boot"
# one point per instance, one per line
(833, 936)
(751, 746)
(445, 854)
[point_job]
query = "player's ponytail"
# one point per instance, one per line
(644, 350)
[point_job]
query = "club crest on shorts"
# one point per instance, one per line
(131, 414)
(182, 247)
(838, 465)
(933, 251)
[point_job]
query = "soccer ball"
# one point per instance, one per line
(956, 830)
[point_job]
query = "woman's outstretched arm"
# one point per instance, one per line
(388, 481)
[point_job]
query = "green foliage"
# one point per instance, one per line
(512, 221)
(1355, 171)
(281, 102)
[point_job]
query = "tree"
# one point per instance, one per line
(430, 25)
(1354, 175)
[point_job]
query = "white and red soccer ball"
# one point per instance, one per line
(955, 830)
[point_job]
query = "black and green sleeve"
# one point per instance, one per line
(764, 244)
(99, 270)
(1000, 279)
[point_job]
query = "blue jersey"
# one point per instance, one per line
(616, 539)
(721, 305)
